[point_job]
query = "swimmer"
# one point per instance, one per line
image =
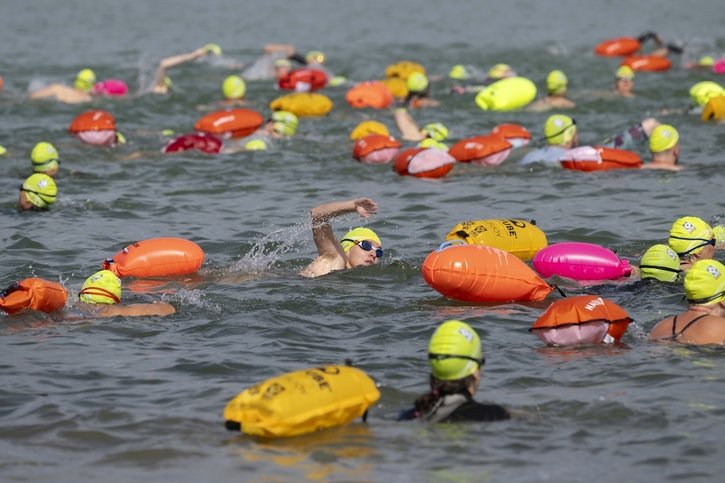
(693, 239)
(263, 68)
(358, 247)
(162, 82)
(660, 262)
(44, 157)
(81, 92)
(37, 192)
(665, 148)
(624, 81)
(632, 136)
(233, 89)
(560, 133)
(101, 297)
(431, 135)
(556, 86)
(455, 358)
(704, 320)
(419, 92)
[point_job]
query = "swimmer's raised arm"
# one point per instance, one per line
(161, 82)
(407, 126)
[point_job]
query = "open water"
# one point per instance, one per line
(140, 399)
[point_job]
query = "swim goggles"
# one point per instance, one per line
(707, 299)
(707, 242)
(367, 246)
(440, 357)
(46, 198)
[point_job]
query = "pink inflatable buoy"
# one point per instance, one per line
(580, 261)
(202, 142)
(110, 87)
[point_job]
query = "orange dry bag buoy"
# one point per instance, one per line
(33, 293)
(618, 47)
(487, 150)
(372, 94)
(232, 123)
(517, 135)
(423, 163)
(156, 257)
(375, 149)
(599, 158)
(477, 273)
(584, 319)
(648, 63)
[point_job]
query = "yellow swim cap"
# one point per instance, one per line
(719, 232)
(454, 351)
(255, 145)
(3, 150)
(435, 130)
(663, 137)
(459, 72)
(660, 262)
(358, 234)
(40, 190)
(283, 63)
(705, 282)
(702, 92)
(337, 80)
(690, 235)
(315, 56)
(367, 128)
(624, 72)
(706, 61)
(44, 157)
(432, 143)
(234, 87)
(85, 80)
(103, 287)
(417, 82)
(499, 71)
(556, 82)
(559, 129)
(285, 123)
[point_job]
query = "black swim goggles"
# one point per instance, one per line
(664, 269)
(573, 123)
(440, 357)
(706, 299)
(367, 246)
(42, 196)
(707, 242)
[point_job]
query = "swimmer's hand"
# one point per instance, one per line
(213, 49)
(365, 207)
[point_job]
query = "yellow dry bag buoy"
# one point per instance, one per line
(520, 238)
(302, 402)
(303, 104)
(507, 94)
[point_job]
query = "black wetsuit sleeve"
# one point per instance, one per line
(475, 411)
(299, 58)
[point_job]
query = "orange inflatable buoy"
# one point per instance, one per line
(599, 158)
(619, 47)
(33, 293)
(232, 123)
(479, 273)
(487, 150)
(375, 149)
(94, 127)
(303, 80)
(517, 135)
(372, 94)
(157, 257)
(423, 163)
(648, 63)
(584, 319)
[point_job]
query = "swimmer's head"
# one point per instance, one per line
(432, 143)
(691, 235)
(357, 235)
(315, 57)
(706, 61)
(255, 145)
(435, 130)
(284, 123)
(661, 263)
(624, 72)
(366, 128)
(559, 129)
(454, 351)
(500, 71)
(417, 83)
(282, 64)
(705, 283)
(234, 87)
(663, 137)
(556, 82)
(459, 72)
(368, 243)
(103, 287)
(85, 80)
(37, 191)
(45, 158)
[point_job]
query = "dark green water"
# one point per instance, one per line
(141, 399)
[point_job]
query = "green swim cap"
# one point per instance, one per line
(556, 82)
(459, 72)
(337, 80)
(255, 145)
(454, 351)
(285, 123)
(85, 80)
(358, 234)
(432, 143)
(690, 235)
(559, 129)
(234, 87)
(40, 190)
(435, 130)
(663, 137)
(705, 282)
(660, 262)
(624, 72)
(103, 287)
(417, 82)
(44, 157)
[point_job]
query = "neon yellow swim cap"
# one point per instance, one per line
(44, 157)
(417, 82)
(454, 351)
(663, 137)
(660, 262)
(283, 63)
(702, 92)
(719, 232)
(624, 72)
(556, 82)
(103, 287)
(706, 61)
(499, 71)
(85, 80)
(358, 234)
(559, 129)
(337, 80)
(255, 145)
(40, 190)
(432, 143)
(459, 72)
(315, 56)
(435, 130)
(285, 123)
(705, 282)
(234, 87)
(690, 235)
(367, 128)
(3, 150)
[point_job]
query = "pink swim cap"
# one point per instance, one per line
(719, 66)
(110, 87)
